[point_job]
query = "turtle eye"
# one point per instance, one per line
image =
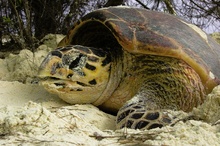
(75, 62)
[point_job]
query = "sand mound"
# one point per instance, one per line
(31, 116)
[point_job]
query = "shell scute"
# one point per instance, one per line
(120, 14)
(121, 30)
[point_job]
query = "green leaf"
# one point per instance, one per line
(6, 19)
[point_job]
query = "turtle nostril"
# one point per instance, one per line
(69, 76)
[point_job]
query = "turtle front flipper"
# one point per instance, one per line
(137, 115)
(170, 84)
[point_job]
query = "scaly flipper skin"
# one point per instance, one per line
(139, 65)
(137, 115)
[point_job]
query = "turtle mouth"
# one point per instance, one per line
(63, 84)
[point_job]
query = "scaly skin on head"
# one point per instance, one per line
(77, 74)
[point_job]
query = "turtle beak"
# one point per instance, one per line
(48, 66)
(52, 67)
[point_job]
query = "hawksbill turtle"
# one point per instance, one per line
(134, 62)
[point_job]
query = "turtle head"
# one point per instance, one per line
(76, 73)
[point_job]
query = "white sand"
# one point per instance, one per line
(31, 116)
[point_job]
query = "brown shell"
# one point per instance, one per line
(149, 32)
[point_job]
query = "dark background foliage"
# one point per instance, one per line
(24, 22)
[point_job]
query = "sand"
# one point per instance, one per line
(31, 116)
